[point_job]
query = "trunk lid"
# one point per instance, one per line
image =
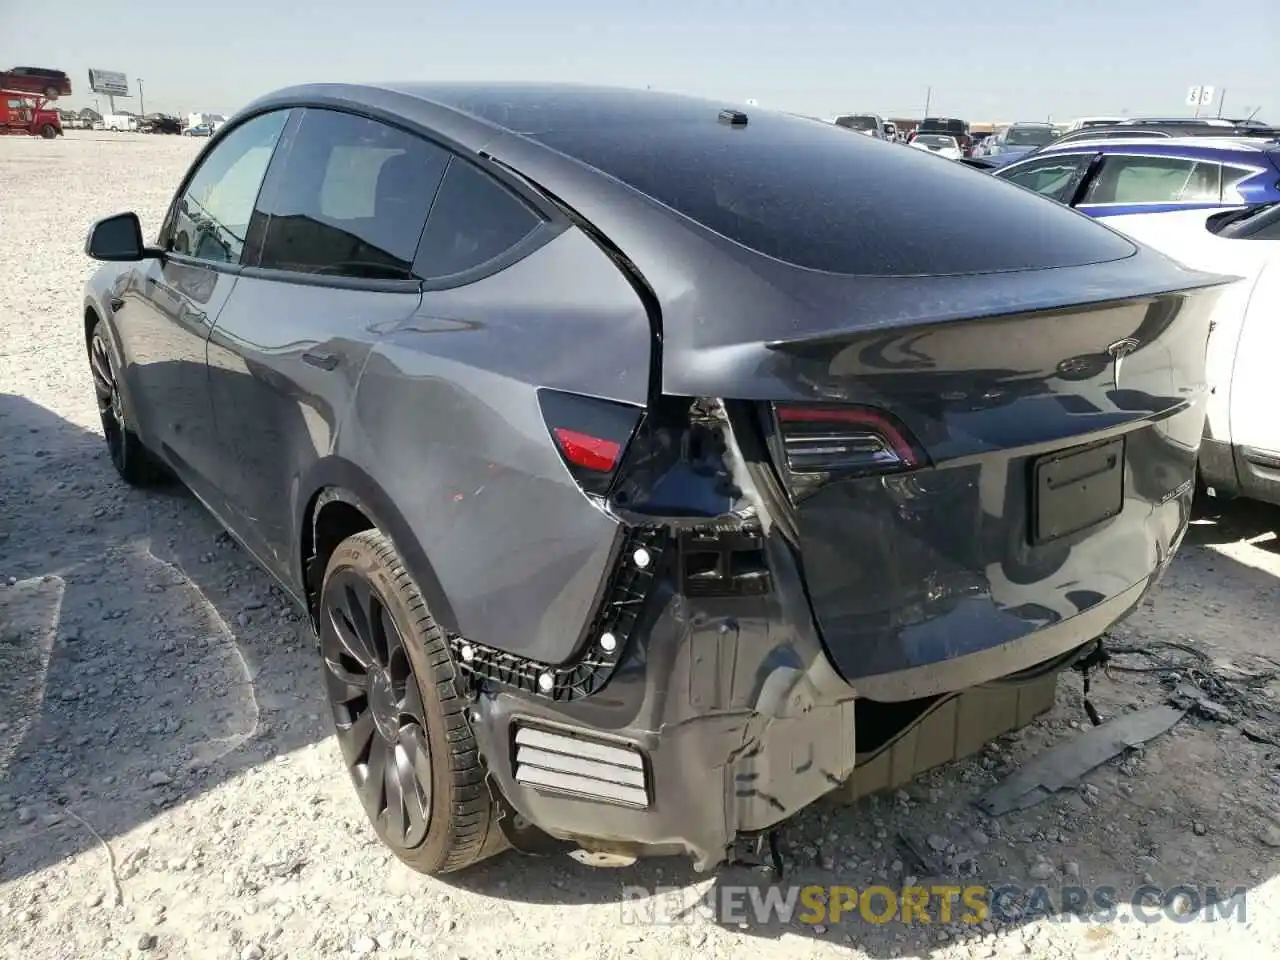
(1050, 477)
(996, 381)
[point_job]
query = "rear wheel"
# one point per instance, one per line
(401, 723)
(132, 460)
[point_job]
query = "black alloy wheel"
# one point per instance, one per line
(401, 721)
(378, 709)
(132, 460)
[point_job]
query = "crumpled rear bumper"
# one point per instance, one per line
(727, 715)
(723, 718)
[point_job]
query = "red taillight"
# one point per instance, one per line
(590, 434)
(588, 452)
(820, 441)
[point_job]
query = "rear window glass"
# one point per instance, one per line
(810, 195)
(858, 123)
(1029, 136)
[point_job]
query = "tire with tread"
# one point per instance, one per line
(462, 826)
(136, 465)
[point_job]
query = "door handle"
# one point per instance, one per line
(325, 361)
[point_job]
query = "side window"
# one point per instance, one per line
(1053, 177)
(211, 218)
(348, 197)
(1155, 180)
(474, 220)
(1232, 177)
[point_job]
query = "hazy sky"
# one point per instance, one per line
(985, 59)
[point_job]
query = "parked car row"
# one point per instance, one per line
(1022, 138)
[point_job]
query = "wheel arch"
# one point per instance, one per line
(341, 499)
(91, 318)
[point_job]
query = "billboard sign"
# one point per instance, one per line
(109, 82)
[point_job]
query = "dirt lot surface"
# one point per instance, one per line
(169, 785)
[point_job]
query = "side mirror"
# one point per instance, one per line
(118, 239)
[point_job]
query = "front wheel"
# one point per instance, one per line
(401, 722)
(134, 462)
(48, 131)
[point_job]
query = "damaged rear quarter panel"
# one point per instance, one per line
(446, 416)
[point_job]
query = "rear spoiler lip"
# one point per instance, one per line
(768, 354)
(1200, 280)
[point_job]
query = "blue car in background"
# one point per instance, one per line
(1110, 177)
(1015, 141)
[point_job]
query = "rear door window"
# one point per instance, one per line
(1134, 179)
(348, 198)
(1232, 177)
(1053, 177)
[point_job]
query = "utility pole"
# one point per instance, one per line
(1221, 99)
(142, 103)
(928, 96)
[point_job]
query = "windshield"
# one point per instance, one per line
(936, 140)
(858, 123)
(1028, 136)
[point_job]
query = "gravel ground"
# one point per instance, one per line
(169, 785)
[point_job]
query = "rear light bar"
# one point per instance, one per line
(824, 441)
(590, 434)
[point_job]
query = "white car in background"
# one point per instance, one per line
(1240, 455)
(939, 143)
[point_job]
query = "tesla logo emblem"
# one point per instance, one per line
(1118, 351)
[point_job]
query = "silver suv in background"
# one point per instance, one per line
(1015, 141)
(871, 124)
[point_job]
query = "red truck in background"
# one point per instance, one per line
(30, 116)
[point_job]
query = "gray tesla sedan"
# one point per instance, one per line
(644, 464)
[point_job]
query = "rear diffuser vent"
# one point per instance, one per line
(557, 761)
